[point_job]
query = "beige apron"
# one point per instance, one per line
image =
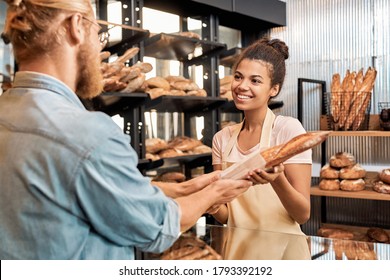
(260, 210)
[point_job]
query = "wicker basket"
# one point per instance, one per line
(354, 116)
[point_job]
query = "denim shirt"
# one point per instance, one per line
(70, 188)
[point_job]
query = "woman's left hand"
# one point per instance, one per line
(261, 176)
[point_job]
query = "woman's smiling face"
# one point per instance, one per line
(251, 86)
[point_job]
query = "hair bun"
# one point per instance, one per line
(279, 46)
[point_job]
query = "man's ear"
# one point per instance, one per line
(76, 28)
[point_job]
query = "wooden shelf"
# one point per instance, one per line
(369, 133)
(364, 194)
(187, 104)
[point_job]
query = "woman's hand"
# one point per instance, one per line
(260, 176)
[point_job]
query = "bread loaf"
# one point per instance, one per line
(158, 82)
(378, 235)
(134, 84)
(328, 172)
(329, 184)
(154, 145)
(296, 146)
(352, 185)
(381, 187)
(384, 175)
(352, 172)
(129, 54)
(336, 93)
(189, 247)
(336, 233)
(175, 177)
(342, 159)
(274, 155)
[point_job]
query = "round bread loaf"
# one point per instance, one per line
(328, 172)
(352, 172)
(352, 185)
(384, 175)
(381, 187)
(342, 159)
(329, 184)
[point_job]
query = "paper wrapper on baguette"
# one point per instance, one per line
(275, 155)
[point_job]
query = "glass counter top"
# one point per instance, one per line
(228, 243)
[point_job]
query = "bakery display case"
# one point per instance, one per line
(213, 242)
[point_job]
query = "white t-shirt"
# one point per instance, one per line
(284, 129)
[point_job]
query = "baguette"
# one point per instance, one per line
(272, 156)
(296, 146)
(361, 97)
(129, 54)
(348, 86)
(134, 84)
(336, 92)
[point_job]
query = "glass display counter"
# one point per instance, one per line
(212, 242)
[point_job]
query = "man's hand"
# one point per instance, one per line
(225, 190)
(198, 183)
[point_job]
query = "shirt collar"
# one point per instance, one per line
(29, 79)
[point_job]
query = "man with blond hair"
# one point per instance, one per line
(70, 188)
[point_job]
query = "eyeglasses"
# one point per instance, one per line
(102, 32)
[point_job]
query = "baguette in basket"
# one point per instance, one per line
(275, 155)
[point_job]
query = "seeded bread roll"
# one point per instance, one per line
(352, 185)
(342, 159)
(352, 172)
(328, 172)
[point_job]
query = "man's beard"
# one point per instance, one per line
(90, 78)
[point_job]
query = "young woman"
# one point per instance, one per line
(280, 200)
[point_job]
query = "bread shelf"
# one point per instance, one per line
(364, 194)
(187, 104)
(175, 47)
(116, 102)
(130, 36)
(229, 57)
